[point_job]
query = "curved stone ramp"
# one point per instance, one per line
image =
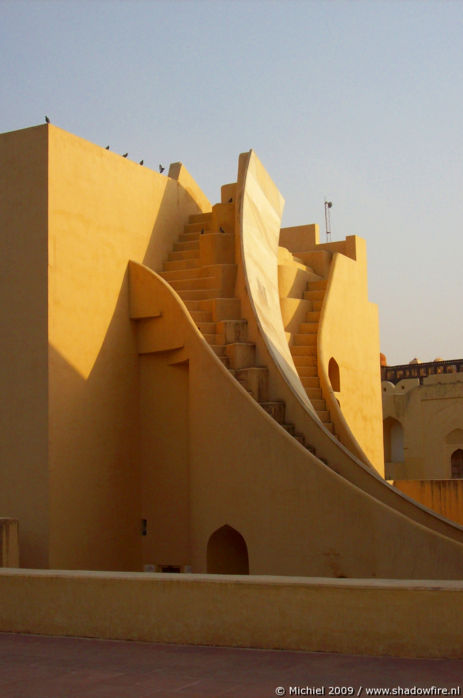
(259, 205)
(296, 515)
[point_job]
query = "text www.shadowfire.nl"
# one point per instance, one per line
(367, 691)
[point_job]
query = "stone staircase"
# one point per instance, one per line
(304, 350)
(202, 270)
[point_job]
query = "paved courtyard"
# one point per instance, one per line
(32, 666)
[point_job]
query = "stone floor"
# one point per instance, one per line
(32, 666)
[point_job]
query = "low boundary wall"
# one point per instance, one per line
(374, 617)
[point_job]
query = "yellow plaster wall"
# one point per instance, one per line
(259, 219)
(349, 333)
(103, 211)
(443, 496)
(71, 216)
(428, 413)
(245, 469)
(247, 472)
(164, 434)
(379, 617)
(24, 331)
(349, 461)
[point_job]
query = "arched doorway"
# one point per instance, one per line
(393, 441)
(227, 552)
(456, 462)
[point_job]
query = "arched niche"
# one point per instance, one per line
(333, 375)
(455, 437)
(227, 552)
(456, 463)
(393, 441)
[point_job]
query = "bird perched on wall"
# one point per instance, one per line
(230, 201)
(125, 155)
(141, 162)
(107, 147)
(161, 168)
(202, 231)
(221, 229)
(47, 120)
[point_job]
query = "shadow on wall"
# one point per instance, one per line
(166, 231)
(227, 552)
(95, 479)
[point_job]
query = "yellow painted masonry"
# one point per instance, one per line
(24, 493)
(348, 334)
(72, 214)
(379, 617)
(443, 496)
(429, 426)
(157, 417)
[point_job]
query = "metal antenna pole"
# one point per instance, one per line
(328, 205)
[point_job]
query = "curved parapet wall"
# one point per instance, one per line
(296, 515)
(260, 223)
(256, 190)
(348, 338)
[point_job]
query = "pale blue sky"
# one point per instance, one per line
(359, 102)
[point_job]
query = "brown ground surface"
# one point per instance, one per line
(32, 666)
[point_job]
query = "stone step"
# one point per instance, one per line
(223, 308)
(308, 327)
(192, 305)
(201, 283)
(229, 331)
(304, 339)
(307, 378)
(313, 316)
(190, 245)
(197, 227)
(201, 316)
(319, 404)
(180, 274)
(255, 380)
(276, 409)
(241, 354)
(324, 415)
(207, 327)
(188, 236)
(219, 349)
(210, 338)
(290, 428)
(318, 285)
(181, 264)
(200, 217)
(306, 361)
(199, 293)
(315, 295)
(313, 393)
(329, 426)
(183, 254)
(300, 437)
(317, 305)
(304, 349)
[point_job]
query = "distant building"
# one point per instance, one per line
(423, 432)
